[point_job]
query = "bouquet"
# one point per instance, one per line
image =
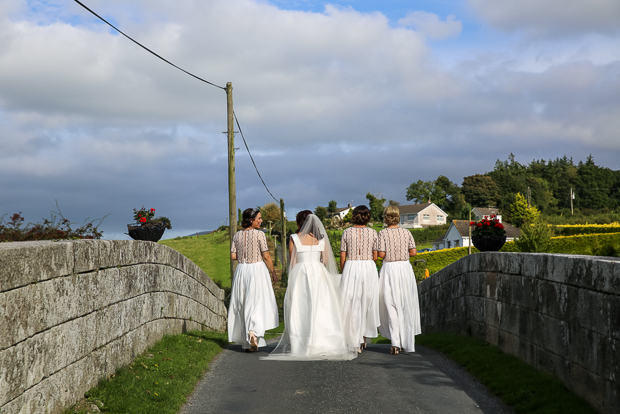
(487, 227)
(146, 218)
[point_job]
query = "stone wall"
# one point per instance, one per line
(72, 312)
(558, 313)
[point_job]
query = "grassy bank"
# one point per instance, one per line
(158, 380)
(210, 252)
(516, 383)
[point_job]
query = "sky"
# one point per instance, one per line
(335, 100)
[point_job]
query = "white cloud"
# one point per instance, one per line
(551, 17)
(430, 25)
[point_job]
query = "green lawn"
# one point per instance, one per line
(210, 252)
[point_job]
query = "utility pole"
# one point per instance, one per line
(572, 197)
(469, 229)
(283, 225)
(232, 196)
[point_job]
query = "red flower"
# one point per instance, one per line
(479, 224)
(142, 219)
(472, 223)
(152, 210)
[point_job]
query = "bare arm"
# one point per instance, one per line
(291, 244)
(269, 263)
(375, 255)
(381, 254)
(343, 258)
(233, 256)
(412, 252)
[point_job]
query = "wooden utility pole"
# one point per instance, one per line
(283, 225)
(469, 229)
(572, 196)
(232, 196)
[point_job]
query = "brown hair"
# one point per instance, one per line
(301, 217)
(361, 215)
(391, 215)
(249, 214)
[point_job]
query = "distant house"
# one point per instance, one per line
(482, 212)
(457, 235)
(416, 216)
(340, 212)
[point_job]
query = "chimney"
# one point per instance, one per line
(350, 205)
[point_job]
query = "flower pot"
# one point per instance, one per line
(488, 243)
(147, 233)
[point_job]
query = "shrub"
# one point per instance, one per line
(57, 227)
(535, 237)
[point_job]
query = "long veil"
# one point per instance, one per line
(314, 347)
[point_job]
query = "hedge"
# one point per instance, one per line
(571, 230)
(588, 244)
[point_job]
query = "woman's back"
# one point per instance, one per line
(396, 243)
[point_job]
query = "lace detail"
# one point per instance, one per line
(358, 243)
(249, 245)
(396, 243)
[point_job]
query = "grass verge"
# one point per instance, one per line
(516, 383)
(158, 380)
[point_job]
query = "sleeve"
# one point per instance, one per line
(381, 242)
(411, 241)
(233, 245)
(343, 242)
(262, 242)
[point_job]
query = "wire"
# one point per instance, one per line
(246, 147)
(147, 49)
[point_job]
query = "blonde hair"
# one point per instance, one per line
(391, 215)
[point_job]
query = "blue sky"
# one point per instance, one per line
(336, 99)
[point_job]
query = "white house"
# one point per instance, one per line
(482, 212)
(341, 212)
(457, 235)
(416, 216)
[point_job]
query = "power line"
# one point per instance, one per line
(146, 48)
(255, 167)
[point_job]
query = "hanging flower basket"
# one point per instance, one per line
(488, 243)
(148, 233)
(146, 226)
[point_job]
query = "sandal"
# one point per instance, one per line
(394, 350)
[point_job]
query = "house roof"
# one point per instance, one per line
(487, 211)
(340, 210)
(413, 208)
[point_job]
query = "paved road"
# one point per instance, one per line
(421, 382)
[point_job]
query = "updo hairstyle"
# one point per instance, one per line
(391, 215)
(361, 215)
(249, 214)
(301, 217)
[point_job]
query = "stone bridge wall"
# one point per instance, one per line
(558, 313)
(72, 312)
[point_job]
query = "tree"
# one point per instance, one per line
(320, 212)
(480, 190)
(423, 191)
(376, 206)
(332, 206)
(520, 213)
(270, 212)
(393, 203)
(535, 237)
(347, 218)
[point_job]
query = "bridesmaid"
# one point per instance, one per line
(253, 308)
(398, 292)
(360, 281)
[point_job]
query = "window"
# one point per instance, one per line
(402, 219)
(449, 244)
(427, 217)
(456, 243)
(411, 217)
(440, 218)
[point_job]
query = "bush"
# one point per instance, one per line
(574, 229)
(55, 228)
(535, 237)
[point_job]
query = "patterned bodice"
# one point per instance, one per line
(358, 243)
(249, 245)
(396, 243)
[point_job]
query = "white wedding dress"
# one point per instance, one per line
(313, 317)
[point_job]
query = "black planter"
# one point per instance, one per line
(147, 233)
(488, 243)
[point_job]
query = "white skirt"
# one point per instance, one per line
(252, 304)
(399, 308)
(359, 288)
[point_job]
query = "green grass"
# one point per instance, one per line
(210, 252)
(516, 383)
(160, 379)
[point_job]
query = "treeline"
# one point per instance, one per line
(548, 184)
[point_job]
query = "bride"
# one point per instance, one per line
(313, 318)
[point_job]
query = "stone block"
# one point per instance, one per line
(580, 271)
(593, 310)
(556, 336)
(509, 318)
(527, 351)
(607, 276)
(22, 263)
(508, 343)
(591, 387)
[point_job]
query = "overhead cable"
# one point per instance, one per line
(146, 48)
(250, 154)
